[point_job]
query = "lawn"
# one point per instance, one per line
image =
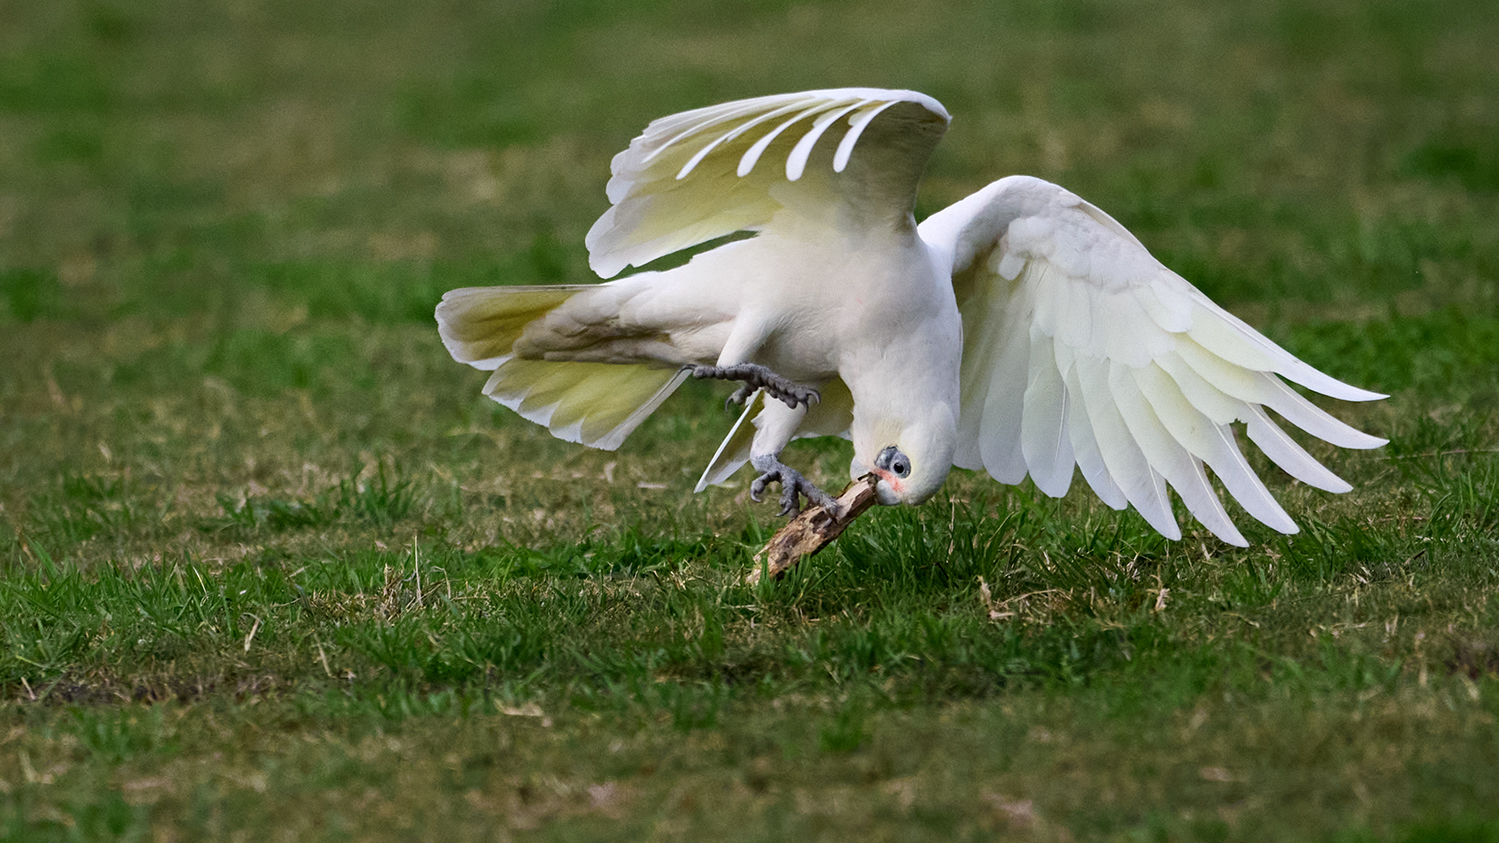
(271, 567)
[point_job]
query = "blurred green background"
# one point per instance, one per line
(230, 440)
(360, 157)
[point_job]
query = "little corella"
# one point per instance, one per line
(1021, 330)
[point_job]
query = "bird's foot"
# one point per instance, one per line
(744, 393)
(756, 377)
(792, 482)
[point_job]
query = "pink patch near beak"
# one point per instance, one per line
(889, 478)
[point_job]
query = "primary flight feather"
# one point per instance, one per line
(1022, 330)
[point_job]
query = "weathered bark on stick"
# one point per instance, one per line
(812, 530)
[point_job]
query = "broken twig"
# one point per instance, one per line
(812, 530)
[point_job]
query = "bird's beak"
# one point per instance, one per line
(889, 488)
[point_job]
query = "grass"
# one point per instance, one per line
(271, 567)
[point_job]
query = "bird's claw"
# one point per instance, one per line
(756, 377)
(740, 395)
(793, 485)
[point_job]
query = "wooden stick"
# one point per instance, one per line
(812, 530)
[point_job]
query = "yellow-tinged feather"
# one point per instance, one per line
(597, 404)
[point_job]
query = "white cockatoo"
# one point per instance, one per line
(1022, 330)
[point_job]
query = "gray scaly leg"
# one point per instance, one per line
(792, 482)
(756, 377)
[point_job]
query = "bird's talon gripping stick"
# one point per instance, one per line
(812, 530)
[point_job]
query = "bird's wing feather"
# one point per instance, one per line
(698, 175)
(1082, 349)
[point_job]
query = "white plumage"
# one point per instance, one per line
(1021, 331)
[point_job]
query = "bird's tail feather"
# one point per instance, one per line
(597, 404)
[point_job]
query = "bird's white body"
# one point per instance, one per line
(1021, 330)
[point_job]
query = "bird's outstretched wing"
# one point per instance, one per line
(1080, 348)
(702, 174)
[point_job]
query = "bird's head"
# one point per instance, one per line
(910, 458)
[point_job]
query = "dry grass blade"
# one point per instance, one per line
(812, 530)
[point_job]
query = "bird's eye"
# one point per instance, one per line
(893, 461)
